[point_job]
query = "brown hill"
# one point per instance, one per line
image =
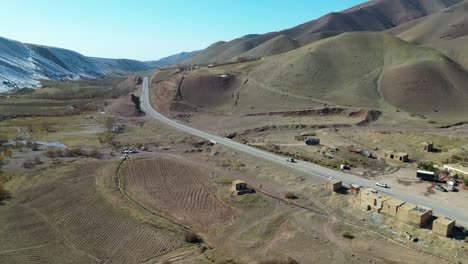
(377, 15)
(455, 49)
(276, 45)
(371, 70)
(448, 24)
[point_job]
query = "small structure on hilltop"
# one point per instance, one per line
(443, 226)
(334, 185)
(429, 147)
(393, 155)
(240, 187)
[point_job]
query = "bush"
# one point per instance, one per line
(348, 235)
(29, 164)
(191, 237)
(38, 160)
(290, 195)
(465, 181)
(106, 137)
(94, 153)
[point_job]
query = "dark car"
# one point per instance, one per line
(440, 188)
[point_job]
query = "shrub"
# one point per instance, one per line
(465, 181)
(29, 164)
(191, 237)
(106, 137)
(348, 235)
(38, 160)
(290, 195)
(94, 153)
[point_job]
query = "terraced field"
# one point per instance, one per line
(178, 188)
(72, 218)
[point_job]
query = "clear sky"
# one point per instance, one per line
(151, 29)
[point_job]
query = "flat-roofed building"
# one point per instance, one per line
(443, 226)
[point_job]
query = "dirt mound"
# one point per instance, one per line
(177, 188)
(277, 45)
(69, 216)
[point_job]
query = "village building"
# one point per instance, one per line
(391, 206)
(413, 214)
(370, 198)
(443, 226)
(429, 147)
(334, 185)
(393, 155)
(240, 187)
(461, 170)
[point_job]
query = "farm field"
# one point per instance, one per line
(74, 212)
(177, 188)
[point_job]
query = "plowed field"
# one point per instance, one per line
(67, 220)
(178, 188)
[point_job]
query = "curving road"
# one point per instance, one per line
(318, 173)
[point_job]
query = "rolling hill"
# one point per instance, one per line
(447, 31)
(23, 65)
(449, 24)
(377, 15)
(171, 60)
(370, 70)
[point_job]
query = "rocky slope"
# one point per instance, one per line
(23, 65)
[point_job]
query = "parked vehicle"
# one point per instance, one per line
(427, 175)
(381, 184)
(331, 178)
(440, 188)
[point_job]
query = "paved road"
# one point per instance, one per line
(320, 174)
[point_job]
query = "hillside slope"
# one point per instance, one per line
(449, 24)
(171, 60)
(23, 65)
(371, 70)
(276, 45)
(377, 15)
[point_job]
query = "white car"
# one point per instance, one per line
(381, 184)
(290, 160)
(331, 178)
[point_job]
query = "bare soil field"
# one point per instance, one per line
(177, 188)
(68, 213)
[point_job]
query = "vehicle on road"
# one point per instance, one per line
(331, 178)
(440, 188)
(381, 184)
(131, 151)
(292, 160)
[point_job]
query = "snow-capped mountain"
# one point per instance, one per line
(23, 65)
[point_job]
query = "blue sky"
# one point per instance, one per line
(151, 29)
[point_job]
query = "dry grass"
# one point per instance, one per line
(288, 260)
